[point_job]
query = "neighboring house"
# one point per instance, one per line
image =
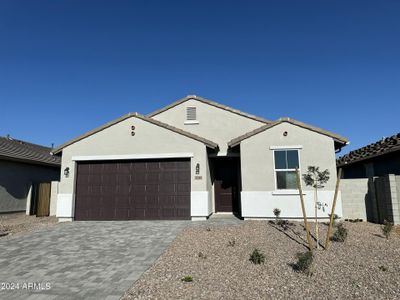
(189, 160)
(371, 181)
(23, 165)
(376, 159)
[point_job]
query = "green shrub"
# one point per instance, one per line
(304, 263)
(256, 257)
(340, 234)
(187, 279)
(387, 228)
(383, 268)
(232, 243)
(277, 213)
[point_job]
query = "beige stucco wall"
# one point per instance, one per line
(148, 139)
(257, 157)
(215, 124)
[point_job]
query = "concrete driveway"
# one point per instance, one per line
(82, 260)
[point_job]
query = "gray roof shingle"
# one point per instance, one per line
(379, 148)
(13, 149)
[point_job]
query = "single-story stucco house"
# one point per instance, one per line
(191, 159)
(23, 165)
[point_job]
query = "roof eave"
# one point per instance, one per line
(236, 141)
(30, 162)
(208, 143)
(367, 157)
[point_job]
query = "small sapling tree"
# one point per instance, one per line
(316, 178)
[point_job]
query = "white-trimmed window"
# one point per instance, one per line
(286, 161)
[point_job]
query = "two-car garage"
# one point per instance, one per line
(134, 168)
(133, 190)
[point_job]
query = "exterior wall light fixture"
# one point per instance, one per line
(197, 169)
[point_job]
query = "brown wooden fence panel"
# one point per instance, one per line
(43, 206)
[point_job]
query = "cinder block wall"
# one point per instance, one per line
(354, 194)
(373, 199)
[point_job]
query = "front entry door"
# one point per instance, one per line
(226, 184)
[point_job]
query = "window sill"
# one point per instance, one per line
(191, 122)
(286, 192)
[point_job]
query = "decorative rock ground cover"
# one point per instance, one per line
(365, 266)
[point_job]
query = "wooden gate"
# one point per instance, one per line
(43, 200)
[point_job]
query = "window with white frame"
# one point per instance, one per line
(286, 162)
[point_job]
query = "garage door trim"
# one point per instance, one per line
(132, 156)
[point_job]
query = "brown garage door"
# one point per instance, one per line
(133, 190)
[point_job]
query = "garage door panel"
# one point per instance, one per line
(152, 201)
(96, 189)
(182, 188)
(139, 177)
(109, 179)
(153, 177)
(93, 214)
(108, 189)
(183, 176)
(152, 189)
(152, 213)
(167, 188)
(124, 167)
(167, 200)
(124, 180)
(182, 213)
(153, 166)
(167, 177)
(96, 168)
(121, 214)
(123, 189)
(95, 179)
(168, 213)
(139, 190)
(122, 202)
(84, 169)
(139, 166)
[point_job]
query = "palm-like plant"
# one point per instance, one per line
(316, 178)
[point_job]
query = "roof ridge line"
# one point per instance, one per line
(209, 102)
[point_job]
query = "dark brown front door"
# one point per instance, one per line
(133, 190)
(226, 184)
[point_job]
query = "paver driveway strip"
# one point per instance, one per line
(84, 260)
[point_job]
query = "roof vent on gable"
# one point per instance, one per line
(191, 115)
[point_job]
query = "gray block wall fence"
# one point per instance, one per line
(373, 199)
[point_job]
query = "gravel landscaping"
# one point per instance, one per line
(365, 266)
(19, 223)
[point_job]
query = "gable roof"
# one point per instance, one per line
(208, 143)
(336, 137)
(384, 146)
(209, 102)
(12, 149)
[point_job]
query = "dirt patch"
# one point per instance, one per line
(19, 223)
(365, 266)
